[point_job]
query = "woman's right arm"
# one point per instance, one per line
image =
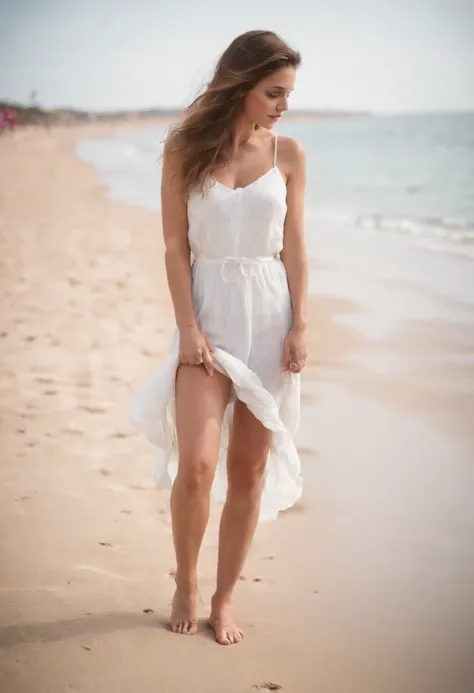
(194, 346)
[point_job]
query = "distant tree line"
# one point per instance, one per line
(34, 114)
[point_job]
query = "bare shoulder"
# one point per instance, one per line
(173, 144)
(172, 157)
(291, 156)
(290, 147)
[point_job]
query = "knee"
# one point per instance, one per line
(245, 478)
(195, 475)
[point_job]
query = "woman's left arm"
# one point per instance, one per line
(293, 256)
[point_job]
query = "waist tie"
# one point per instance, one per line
(240, 262)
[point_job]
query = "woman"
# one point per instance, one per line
(227, 398)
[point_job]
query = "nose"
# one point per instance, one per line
(283, 105)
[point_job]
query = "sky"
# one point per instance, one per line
(377, 55)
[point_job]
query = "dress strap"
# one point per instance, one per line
(275, 150)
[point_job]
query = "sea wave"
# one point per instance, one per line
(433, 233)
(437, 234)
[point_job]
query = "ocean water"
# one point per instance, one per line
(389, 208)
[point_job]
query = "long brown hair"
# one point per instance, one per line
(206, 129)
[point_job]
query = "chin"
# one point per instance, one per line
(271, 122)
(266, 122)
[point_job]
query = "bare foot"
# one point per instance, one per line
(183, 614)
(223, 625)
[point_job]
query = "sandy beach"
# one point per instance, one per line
(364, 587)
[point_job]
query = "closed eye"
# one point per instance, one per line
(272, 95)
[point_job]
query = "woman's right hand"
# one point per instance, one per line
(195, 348)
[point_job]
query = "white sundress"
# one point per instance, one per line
(242, 303)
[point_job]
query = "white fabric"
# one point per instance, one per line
(242, 303)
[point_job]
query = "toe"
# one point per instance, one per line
(232, 638)
(236, 637)
(225, 635)
(222, 636)
(223, 639)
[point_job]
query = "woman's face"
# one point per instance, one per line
(268, 100)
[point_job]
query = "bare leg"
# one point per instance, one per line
(246, 461)
(200, 404)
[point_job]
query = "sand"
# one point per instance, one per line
(364, 587)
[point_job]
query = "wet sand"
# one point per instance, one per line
(365, 586)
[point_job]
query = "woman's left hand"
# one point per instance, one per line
(294, 351)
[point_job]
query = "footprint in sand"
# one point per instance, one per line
(44, 379)
(50, 393)
(72, 431)
(307, 451)
(148, 353)
(93, 409)
(266, 580)
(268, 686)
(119, 434)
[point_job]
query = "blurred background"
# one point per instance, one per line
(387, 87)
(376, 564)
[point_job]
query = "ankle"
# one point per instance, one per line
(220, 601)
(186, 585)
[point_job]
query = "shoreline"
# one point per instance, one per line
(359, 587)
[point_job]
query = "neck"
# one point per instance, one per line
(243, 130)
